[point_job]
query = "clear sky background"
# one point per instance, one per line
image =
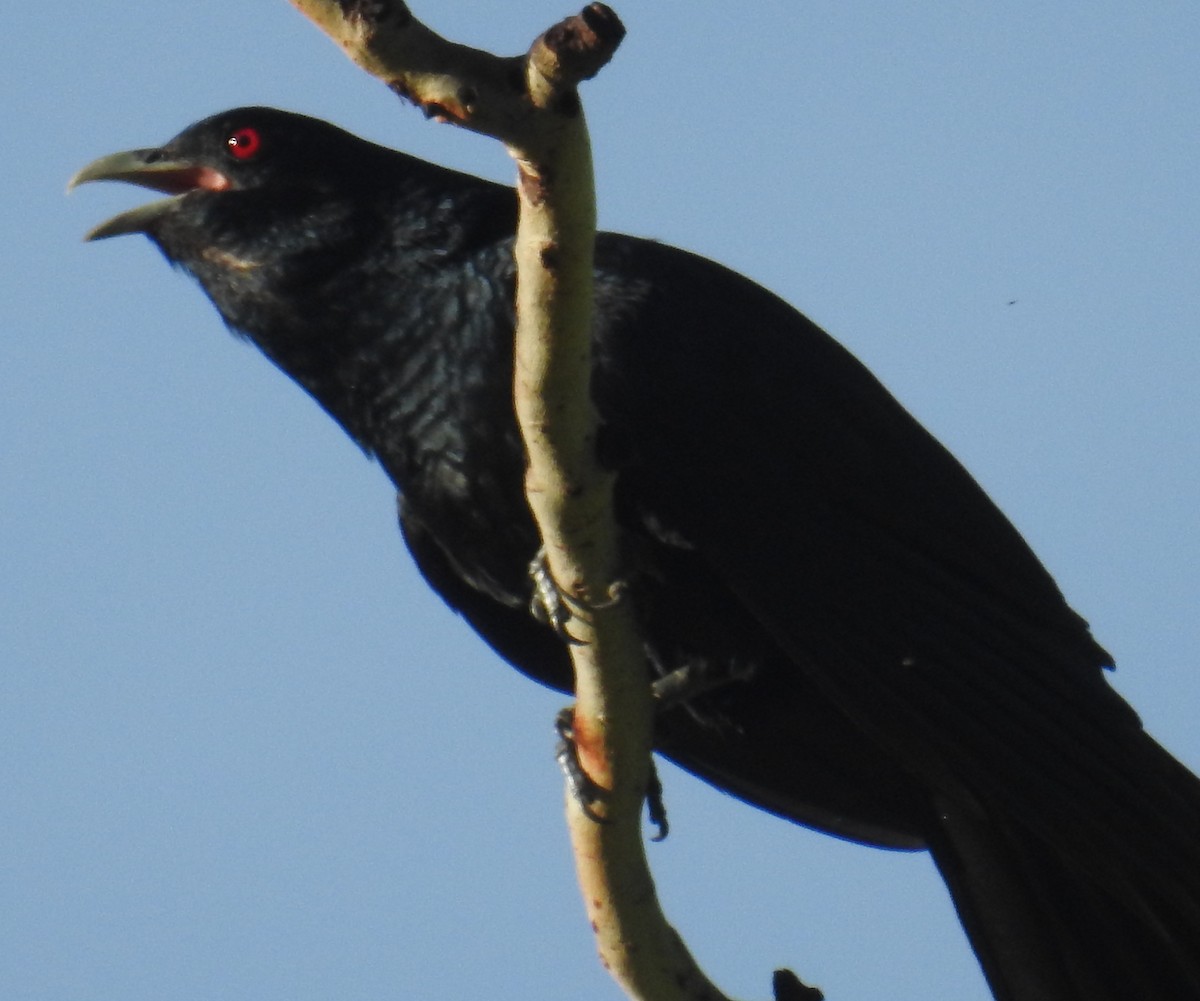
(245, 755)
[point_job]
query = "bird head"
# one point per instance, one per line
(312, 242)
(244, 150)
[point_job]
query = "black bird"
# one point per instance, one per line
(902, 671)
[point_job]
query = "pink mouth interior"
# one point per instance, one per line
(176, 182)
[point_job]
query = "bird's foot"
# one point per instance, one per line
(548, 603)
(587, 793)
(583, 790)
(554, 607)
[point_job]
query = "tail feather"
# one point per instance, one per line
(1047, 927)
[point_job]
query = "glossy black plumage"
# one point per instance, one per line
(918, 679)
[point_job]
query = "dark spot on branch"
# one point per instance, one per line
(582, 44)
(373, 12)
(533, 186)
(574, 50)
(604, 24)
(550, 257)
(568, 104)
(467, 97)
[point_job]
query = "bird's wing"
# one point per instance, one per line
(873, 559)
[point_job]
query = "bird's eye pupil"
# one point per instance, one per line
(244, 143)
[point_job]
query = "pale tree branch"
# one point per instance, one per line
(530, 103)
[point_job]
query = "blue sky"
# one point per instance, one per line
(246, 755)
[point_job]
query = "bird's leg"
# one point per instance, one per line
(585, 792)
(682, 685)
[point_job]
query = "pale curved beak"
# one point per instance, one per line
(147, 168)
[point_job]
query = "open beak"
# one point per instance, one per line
(148, 168)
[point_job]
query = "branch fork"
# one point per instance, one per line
(530, 103)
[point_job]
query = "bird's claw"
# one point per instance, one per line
(553, 606)
(583, 790)
(587, 793)
(548, 603)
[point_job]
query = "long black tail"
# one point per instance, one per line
(1052, 924)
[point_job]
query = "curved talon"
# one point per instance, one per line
(614, 595)
(656, 809)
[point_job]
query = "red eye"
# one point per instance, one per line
(244, 143)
